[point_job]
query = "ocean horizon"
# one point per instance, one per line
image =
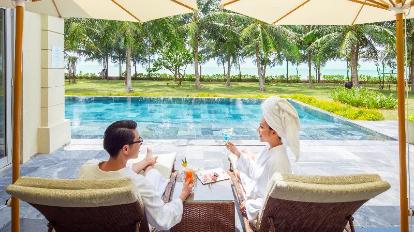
(247, 68)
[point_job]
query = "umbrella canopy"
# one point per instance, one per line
(344, 12)
(317, 12)
(121, 10)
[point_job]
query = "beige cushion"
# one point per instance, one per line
(322, 189)
(74, 192)
(325, 189)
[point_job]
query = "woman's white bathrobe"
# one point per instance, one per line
(255, 174)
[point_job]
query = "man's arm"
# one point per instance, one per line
(162, 215)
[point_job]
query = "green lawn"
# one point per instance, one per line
(237, 90)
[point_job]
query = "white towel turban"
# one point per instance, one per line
(283, 118)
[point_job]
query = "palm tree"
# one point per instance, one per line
(197, 25)
(261, 40)
(131, 35)
(352, 41)
(410, 47)
(308, 35)
(223, 39)
(101, 37)
(74, 43)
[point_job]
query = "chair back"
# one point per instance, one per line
(84, 205)
(315, 203)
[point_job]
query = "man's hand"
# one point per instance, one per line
(187, 189)
(233, 149)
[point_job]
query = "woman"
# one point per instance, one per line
(279, 128)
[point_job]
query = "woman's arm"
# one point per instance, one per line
(149, 160)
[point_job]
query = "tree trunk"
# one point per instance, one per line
(102, 73)
(287, 71)
(228, 71)
(197, 76)
(347, 69)
(297, 69)
(310, 68)
(240, 74)
(149, 67)
(201, 74)
(319, 73)
(412, 66)
(224, 68)
(120, 69)
(354, 65)
(74, 71)
(316, 73)
(135, 68)
(383, 75)
(259, 69)
(128, 70)
(107, 67)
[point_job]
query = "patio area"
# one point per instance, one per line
(319, 157)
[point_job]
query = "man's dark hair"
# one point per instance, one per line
(117, 135)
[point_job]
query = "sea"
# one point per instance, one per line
(334, 67)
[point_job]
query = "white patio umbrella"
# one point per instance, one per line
(122, 10)
(344, 12)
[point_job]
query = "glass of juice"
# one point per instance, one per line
(189, 175)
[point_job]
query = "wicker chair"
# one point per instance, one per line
(83, 205)
(312, 203)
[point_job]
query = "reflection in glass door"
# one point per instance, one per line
(5, 74)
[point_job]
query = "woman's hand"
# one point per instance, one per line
(187, 189)
(150, 160)
(146, 164)
(233, 149)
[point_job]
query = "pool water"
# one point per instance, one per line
(198, 118)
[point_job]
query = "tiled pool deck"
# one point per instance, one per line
(320, 157)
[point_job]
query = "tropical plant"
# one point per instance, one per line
(363, 97)
(261, 40)
(197, 25)
(340, 109)
(353, 42)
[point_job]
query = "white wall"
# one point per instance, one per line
(31, 84)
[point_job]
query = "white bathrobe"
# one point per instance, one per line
(160, 215)
(256, 173)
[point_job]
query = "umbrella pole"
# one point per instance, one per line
(17, 110)
(401, 122)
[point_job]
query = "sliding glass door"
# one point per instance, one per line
(6, 69)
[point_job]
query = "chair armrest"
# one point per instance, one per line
(239, 192)
(166, 197)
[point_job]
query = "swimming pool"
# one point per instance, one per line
(198, 118)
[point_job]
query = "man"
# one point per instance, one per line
(122, 142)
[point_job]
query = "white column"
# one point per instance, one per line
(54, 130)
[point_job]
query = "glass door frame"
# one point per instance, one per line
(7, 86)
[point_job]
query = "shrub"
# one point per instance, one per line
(334, 78)
(363, 97)
(191, 77)
(340, 109)
(411, 117)
(87, 76)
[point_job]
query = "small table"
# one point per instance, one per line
(209, 208)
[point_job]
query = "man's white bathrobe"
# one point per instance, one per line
(161, 215)
(255, 174)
